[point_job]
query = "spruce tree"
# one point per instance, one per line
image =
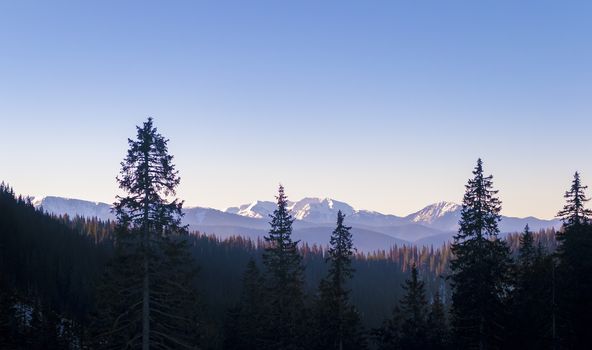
(574, 270)
(527, 252)
(337, 322)
(245, 327)
(407, 327)
(574, 213)
(147, 299)
(414, 313)
(389, 335)
(480, 268)
(437, 326)
(284, 281)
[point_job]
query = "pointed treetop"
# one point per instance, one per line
(281, 212)
(527, 250)
(479, 166)
(281, 196)
(146, 131)
(414, 303)
(281, 221)
(478, 170)
(340, 217)
(148, 175)
(148, 124)
(480, 207)
(574, 213)
(340, 252)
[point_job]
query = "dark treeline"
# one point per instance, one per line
(145, 282)
(48, 272)
(32, 241)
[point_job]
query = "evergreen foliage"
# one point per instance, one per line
(414, 312)
(528, 251)
(8, 326)
(531, 302)
(438, 332)
(50, 270)
(47, 275)
(337, 323)
(574, 213)
(285, 321)
(389, 336)
(574, 270)
(407, 328)
(245, 327)
(480, 269)
(147, 296)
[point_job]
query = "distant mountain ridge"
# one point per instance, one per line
(447, 215)
(314, 220)
(73, 207)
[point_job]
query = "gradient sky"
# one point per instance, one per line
(383, 104)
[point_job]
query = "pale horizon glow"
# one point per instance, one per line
(383, 105)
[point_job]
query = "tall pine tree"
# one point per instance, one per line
(574, 270)
(438, 333)
(527, 252)
(574, 212)
(414, 313)
(285, 282)
(407, 328)
(480, 267)
(147, 296)
(337, 321)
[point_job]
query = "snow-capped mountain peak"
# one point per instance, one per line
(434, 212)
(74, 207)
(311, 209)
(319, 209)
(256, 209)
(433, 224)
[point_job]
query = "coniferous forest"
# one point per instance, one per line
(145, 281)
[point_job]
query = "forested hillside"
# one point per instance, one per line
(145, 281)
(40, 252)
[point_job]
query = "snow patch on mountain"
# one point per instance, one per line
(319, 210)
(256, 209)
(74, 207)
(310, 209)
(433, 212)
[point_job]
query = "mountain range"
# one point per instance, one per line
(314, 221)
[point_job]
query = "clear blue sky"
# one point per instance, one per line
(383, 104)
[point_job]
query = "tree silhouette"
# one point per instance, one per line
(148, 298)
(337, 321)
(574, 270)
(284, 280)
(480, 267)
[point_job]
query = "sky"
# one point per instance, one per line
(385, 105)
